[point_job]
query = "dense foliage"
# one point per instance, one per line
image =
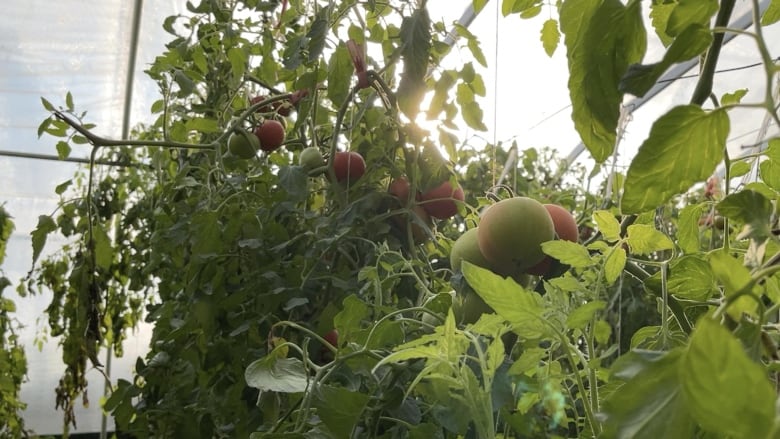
(292, 298)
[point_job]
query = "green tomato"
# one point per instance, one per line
(243, 144)
(311, 158)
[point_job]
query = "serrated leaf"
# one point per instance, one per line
(521, 308)
(273, 374)
(769, 170)
(238, 62)
(734, 97)
(684, 147)
(63, 150)
(340, 71)
(569, 253)
(688, 228)
(691, 277)
(734, 277)
(415, 36)
(597, 60)
(607, 224)
(639, 78)
(690, 12)
(339, 408)
(507, 6)
(550, 36)
(583, 315)
(772, 13)
(644, 239)
(739, 168)
(43, 126)
(748, 207)
(659, 15)
(45, 226)
(773, 149)
(317, 33)
(203, 125)
(472, 115)
(47, 105)
(726, 392)
(650, 404)
(614, 265)
(528, 361)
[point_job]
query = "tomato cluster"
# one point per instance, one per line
(508, 241)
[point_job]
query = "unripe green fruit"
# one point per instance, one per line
(469, 307)
(466, 248)
(311, 158)
(243, 144)
(512, 231)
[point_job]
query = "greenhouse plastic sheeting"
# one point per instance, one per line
(82, 46)
(46, 49)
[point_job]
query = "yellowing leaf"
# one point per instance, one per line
(550, 36)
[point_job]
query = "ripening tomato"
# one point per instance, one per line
(348, 166)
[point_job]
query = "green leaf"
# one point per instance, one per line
(238, 62)
(523, 309)
(550, 36)
(614, 265)
(47, 105)
(749, 207)
(69, 101)
(348, 320)
(339, 75)
(415, 48)
(688, 228)
(772, 13)
(690, 12)
(206, 233)
(472, 115)
(691, 277)
(45, 226)
(727, 393)
(478, 4)
(607, 224)
(272, 374)
(640, 78)
(734, 276)
(569, 253)
(528, 362)
(739, 168)
(203, 125)
(104, 252)
(733, 98)
(583, 315)
(644, 239)
(597, 60)
(293, 180)
(63, 150)
(317, 34)
(339, 408)
(650, 404)
(684, 147)
(769, 170)
(659, 15)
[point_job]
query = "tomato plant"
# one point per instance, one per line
(242, 265)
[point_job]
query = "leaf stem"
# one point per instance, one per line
(704, 86)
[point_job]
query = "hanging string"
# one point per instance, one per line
(625, 117)
(493, 164)
(760, 143)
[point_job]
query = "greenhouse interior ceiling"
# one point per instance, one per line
(94, 56)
